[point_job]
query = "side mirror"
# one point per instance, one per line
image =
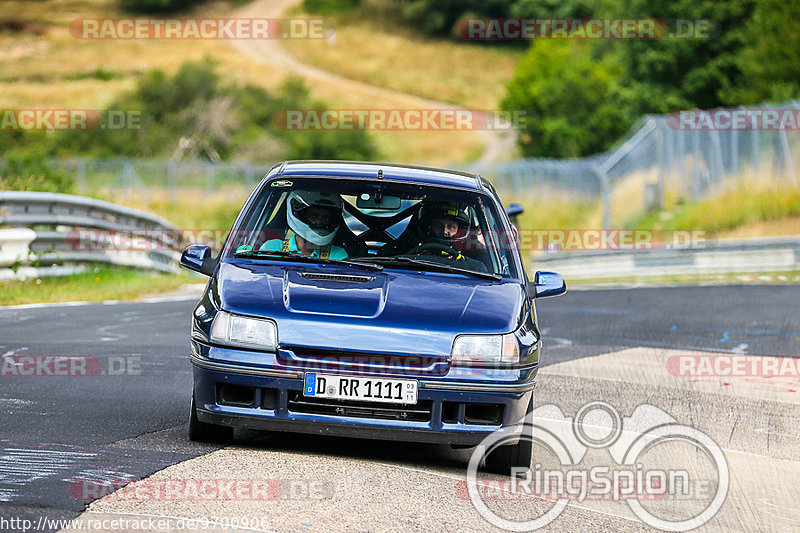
(514, 210)
(546, 284)
(197, 257)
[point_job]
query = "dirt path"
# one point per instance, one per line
(499, 144)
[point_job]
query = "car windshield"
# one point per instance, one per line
(380, 222)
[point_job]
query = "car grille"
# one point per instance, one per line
(321, 360)
(421, 412)
(470, 414)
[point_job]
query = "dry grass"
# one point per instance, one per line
(55, 70)
(191, 209)
(555, 211)
(375, 50)
(769, 228)
(753, 206)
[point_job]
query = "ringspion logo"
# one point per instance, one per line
(650, 470)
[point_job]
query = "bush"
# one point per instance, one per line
(194, 114)
(30, 171)
(330, 7)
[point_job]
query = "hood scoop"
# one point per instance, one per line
(335, 294)
(319, 276)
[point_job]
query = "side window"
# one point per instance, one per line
(497, 241)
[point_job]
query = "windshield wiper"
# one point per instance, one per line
(295, 256)
(438, 266)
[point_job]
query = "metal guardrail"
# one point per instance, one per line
(713, 257)
(661, 156)
(57, 230)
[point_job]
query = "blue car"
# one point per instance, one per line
(368, 300)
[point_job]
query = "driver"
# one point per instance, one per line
(313, 218)
(446, 224)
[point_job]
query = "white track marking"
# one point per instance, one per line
(19, 466)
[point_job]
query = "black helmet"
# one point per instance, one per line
(431, 210)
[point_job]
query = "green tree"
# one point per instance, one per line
(584, 96)
(770, 58)
(572, 103)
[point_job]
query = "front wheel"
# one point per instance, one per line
(205, 432)
(503, 458)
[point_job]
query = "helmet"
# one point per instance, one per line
(315, 232)
(440, 209)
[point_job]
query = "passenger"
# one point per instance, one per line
(444, 223)
(313, 218)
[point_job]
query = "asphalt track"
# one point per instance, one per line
(128, 420)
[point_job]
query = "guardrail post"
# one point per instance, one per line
(756, 153)
(787, 157)
(80, 174)
(696, 173)
(248, 175)
(734, 152)
(662, 167)
(127, 178)
(210, 177)
(605, 191)
(172, 180)
(717, 161)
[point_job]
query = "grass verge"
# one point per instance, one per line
(98, 284)
(737, 208)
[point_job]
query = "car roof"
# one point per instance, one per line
(393, 171)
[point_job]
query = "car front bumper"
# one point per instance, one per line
(448, 411)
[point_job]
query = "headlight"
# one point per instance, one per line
(485, 349)
(244, 331)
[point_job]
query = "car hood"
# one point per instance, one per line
(343, 308)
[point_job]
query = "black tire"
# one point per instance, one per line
(503, 458)
(205, 432)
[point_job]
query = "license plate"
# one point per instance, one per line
(403, 391)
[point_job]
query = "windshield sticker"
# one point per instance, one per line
(282, 183)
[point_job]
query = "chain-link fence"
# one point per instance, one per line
(144, 176)
(689, 154)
